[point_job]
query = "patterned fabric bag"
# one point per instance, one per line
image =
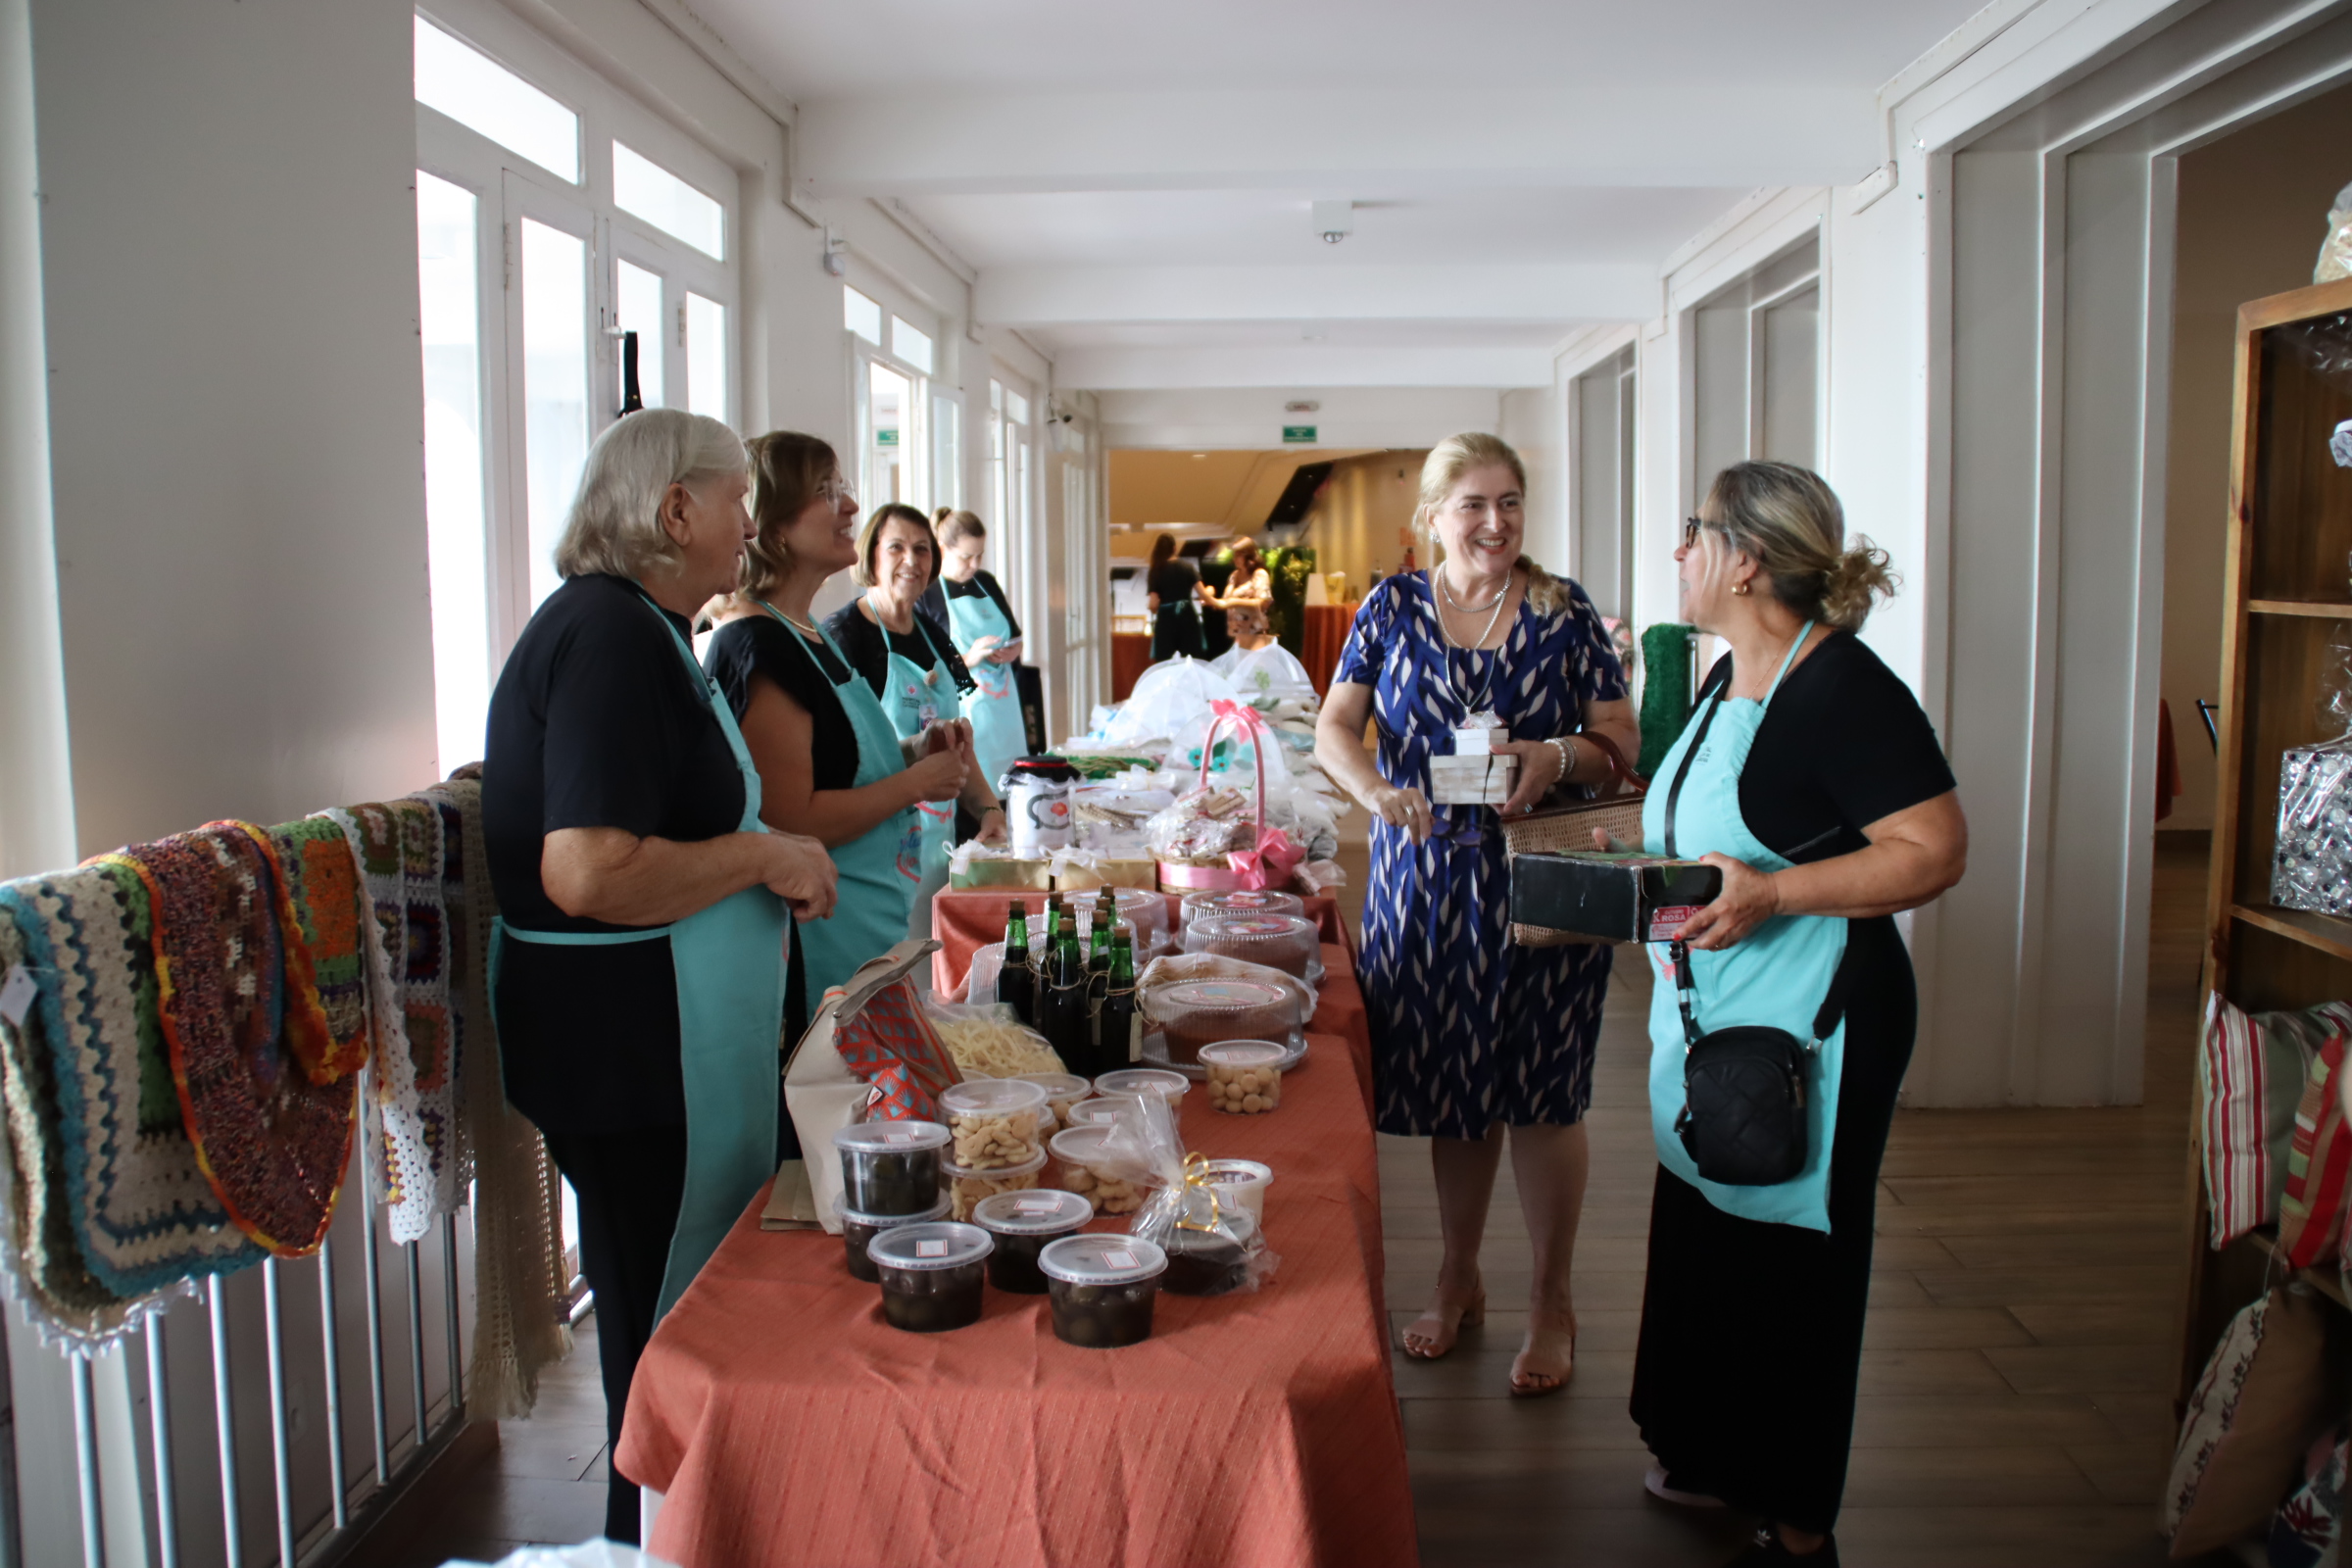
(2254, 1412)
(143, 1215)
(2250, 1072)
(2318, 1165)
(869, 1055)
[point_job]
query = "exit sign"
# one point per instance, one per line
(886, 438)
(1298, 435)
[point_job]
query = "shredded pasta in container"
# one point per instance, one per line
(987, 1042)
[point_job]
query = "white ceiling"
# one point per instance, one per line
(1133, 182)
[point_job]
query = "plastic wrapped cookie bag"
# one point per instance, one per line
(2311, 867)
(1214, 1244)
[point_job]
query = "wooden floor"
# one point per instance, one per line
(2015, 1402)
(2016, 1385)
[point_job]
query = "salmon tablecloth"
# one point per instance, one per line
(1130, 656)
(1322, 635)
(785, 1422)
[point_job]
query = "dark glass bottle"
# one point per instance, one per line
(1098, 984)
(1114, 1023)
(1064, 1018)
(1017, 985)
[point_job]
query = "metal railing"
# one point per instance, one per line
(204, 1515)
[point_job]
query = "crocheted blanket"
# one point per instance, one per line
(143, 1215)
(64, 1305)
(320, 913)
(273, 1144)
(402, 860)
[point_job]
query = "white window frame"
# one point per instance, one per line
(1758, 293)
(916, 457)
(508, 187)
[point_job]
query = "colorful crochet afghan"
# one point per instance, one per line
(401, 858)
(318, 912)
(144, 1217)
(61, 1299)
(273, 1144)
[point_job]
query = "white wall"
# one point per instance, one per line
(235, 407)
(1532, 422)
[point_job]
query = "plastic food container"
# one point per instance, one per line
(1238, 900)
(1092, 1113)
(1204, 1263)
(890, 1168)
(1243, 1076)
(1063, 1090)
(1171, 1086)
(1291, 943)
(1085, 1172)
(1024, 1224)
(995, 1121)
(966, 1188)
(1192, 1014)
(1101, 1288)
(1242, 1181)
(1148, 912)
(859, 1230)
(931, 1274)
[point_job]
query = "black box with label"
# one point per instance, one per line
(1610, 898)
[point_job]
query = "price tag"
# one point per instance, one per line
(17, 994)
(1034, 1205)
(930, 1248)
(898, 1137)
(1120, 1260)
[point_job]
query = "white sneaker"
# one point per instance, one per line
(1654, 1483)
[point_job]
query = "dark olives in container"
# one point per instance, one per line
(931, 1273)
(859, 1230)
(890, 1167)
(1024, 1224)
(1101, 1288)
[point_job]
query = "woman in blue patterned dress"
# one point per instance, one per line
(1471, 1035)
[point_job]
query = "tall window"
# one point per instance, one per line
(561, 227)
(893, 413)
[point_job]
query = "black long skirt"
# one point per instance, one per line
(1751, 1334)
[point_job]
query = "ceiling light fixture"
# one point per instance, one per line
(1335, 220)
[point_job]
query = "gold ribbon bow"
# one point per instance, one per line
(1196, 1175)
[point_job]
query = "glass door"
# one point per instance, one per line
(555, 356)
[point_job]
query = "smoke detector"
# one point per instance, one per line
(1335, 220)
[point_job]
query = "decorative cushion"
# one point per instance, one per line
(2250, 1071)
(2309, 1526)
(143, 1213)
(273, 1144)
(2318, 1165)
(2255, 1410)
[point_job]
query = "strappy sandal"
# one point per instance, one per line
(1472, 1314)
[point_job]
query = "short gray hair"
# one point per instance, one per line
(615, 521)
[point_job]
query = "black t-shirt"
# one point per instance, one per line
(596, 721)
(983, 585)
(868, 644)
(1842, 743)
(1173, 580)
(804, 671)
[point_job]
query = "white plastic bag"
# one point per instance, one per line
(1169, 703)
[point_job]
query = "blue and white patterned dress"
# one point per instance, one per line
(1468, 1030)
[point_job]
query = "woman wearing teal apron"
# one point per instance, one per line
(987, 639)
(1809, 776)
(920, 680)
(830, 763)
(639, 968)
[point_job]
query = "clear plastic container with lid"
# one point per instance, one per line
(890, 1168)
(1086, 1171)
(1192, 1013)
(966, 1188)
(931, 1274)
(1024, 1224)
(1063, 1090)
(1240, 901)
(1243, 1076)
(1148, 910)
(1291, 943)
(995, 1121)
(1241, 1181)
(1169, 1086)
(859, 1230)
(1103, 1288)
(1096, 1112)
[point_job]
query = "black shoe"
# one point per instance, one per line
(1766, 1548)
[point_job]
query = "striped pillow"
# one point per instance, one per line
(2319, 1165)
(2251, 1073)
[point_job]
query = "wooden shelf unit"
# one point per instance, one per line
(2288, 582)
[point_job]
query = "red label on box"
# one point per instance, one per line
(1665, 924)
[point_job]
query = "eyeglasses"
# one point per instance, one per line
(1690, 528)
(837, 491)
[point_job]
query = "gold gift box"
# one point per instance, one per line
(1036, 875)
(1109, 874)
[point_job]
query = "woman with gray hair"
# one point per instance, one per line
(639, 969)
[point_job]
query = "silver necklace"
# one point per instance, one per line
(1460, 608)
(1478, 703)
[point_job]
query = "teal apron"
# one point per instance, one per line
(1778, 975)
(915, 698)
(875, 872)
(729, 961)
(998, 737)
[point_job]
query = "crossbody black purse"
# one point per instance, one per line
(1743, 1121)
